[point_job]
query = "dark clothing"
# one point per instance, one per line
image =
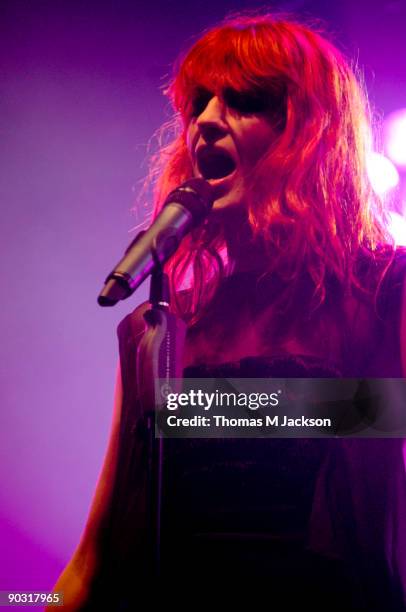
(315, 521)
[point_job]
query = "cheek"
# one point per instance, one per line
(256, 139)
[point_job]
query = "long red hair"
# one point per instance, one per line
(317, 212)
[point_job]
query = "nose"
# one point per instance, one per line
(211, 121)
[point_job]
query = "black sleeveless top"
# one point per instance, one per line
(243, 490)
(240, 508)
(322, 515)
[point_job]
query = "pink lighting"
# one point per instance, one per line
(382, 173)
(397, 227)
(395, 137)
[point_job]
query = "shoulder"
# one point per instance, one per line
(390, 269)
(393, 297)
(390, 297)
(397, 268)
(401, 281)
(133, 324)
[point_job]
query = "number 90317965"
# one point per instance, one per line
(30, 598)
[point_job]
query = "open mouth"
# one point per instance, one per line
(215, 163)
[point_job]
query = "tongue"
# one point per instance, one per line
(216, 165)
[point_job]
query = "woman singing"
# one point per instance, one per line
(292, 275)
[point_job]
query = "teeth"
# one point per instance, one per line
(215, 163)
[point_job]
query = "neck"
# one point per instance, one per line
(244, 254)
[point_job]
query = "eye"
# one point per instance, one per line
(199, 101)
(246, 102)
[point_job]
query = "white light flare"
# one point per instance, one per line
(397, 228)
(382, 173)
(395, 137)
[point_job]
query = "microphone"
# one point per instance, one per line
(185, 208)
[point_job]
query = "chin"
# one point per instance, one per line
(228, 201)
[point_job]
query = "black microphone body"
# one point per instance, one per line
(184, 209)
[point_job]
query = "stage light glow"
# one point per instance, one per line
(395, 137)
(397, 227)
(382, 173)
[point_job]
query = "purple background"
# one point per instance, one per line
(80, 99)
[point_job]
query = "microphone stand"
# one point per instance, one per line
(159, 356)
